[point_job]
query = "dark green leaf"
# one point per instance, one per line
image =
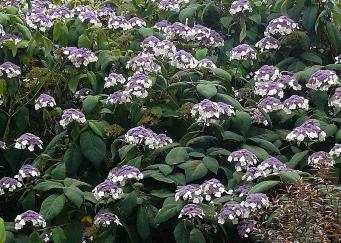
(52, 206)
(92, 147)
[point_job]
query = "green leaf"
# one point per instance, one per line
(194, 170)
(296, 159)
(169, 210)
(92, 147)
(269, 147)
(221, 74)
(229, 100)
(264, 186)
(259, 152)
(35, 238)
(177, 155)
(196, 236)
(58, 235)
(334, 36)
(226, 21)
(143, 222)
(84, 42)
(242, 122)
(48, 185)
(181, 234)
(211, 164)
(74, 194)
(29, 201)
(146, 32)
(290, 177)
(52, 206)
(187, 13)
(201, 53)
(228, 135)
(257, 18)
(72, 158)
(2, 231)
(309, 16)
(24, 31)
(207, 90)
(311, 57)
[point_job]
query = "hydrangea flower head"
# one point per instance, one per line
(8, 184)
(281, 26)
(125, 173)
(189, 193)
(295, 102)
(71, 115)
(308, 130)
(191, 211)
(320, 160)
(28, 140)
(27, 172)
(107, 190)
(323, 80)
(106, 219)
(44, 101)
(29, 218)
(243, 52)
(268, 43)
(240, 6)
(10, 70)
(244, 159)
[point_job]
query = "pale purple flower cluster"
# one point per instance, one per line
(80, 56)
(61, 13)
(268, 43)
(106, 219)
(189, 193)
(71, 115)
(288, 80)
(119, 97)
(266, 73)
(244, 159)
(308, 130)
(270, 104)
(146, 137)
(136, 22)
(28, 140)
(246, 227)
(9, 37)
(335, 99)
(30, 219)
(184, 60)
(118, 22)
(171, 5)
(209, 112)
(240, 6)
(269, 89)
(44, 101)
(39, 21)
(138, 84)
(90, 17)
(319, 160)
(143, 63)
(154, 47)
(10, 70)
(323, 80)
(114, 79)
(2, 30)
(162, 26)
(211, 189)
(257, 117)
(232, 211)
(177, 30)
(256, 201)
(83, 93)
(107, 190)
(105, 11)
(243, 52)
(206, 63)
(2, 145)
(242, 190)
(204, 36)
(191, 211)
(336, 150)
(295, 102)
(282, 26)
(338, 59)
(8, 184)
(27, 173)
(124, 174)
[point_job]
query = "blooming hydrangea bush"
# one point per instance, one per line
(172, 120)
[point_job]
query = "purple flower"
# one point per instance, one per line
(2, 31)
(308, 130)
(233, 212)
(138, 84)
(257, 117)
(106, 219)
(149, 43)
(253, 173)
(119, 97)
(338, 59)
(244, 159)
(268, 43)
(29, 218)
(212, 188)
(170, 5)
(28, 140)
(144, 64)
(242, 190)
(206, 63)
(107, 190)
(119, 22)
(11, 70)
(27, 173)
(290, 81)
(281, 26)
(209, 112)
(126, 172)
(71, 115)
(90, 17)
(82, 9)
(335, 100)
(256, 201)
(240, 6)
(137, 22)
(189, 193)
(162, 25)
(145, 136)
(191, 211)
(269, 89)
(2, 145)
(164, 49)
(319, 160)
(9, 37)
(246, 227)
(295, 102)
(176, 30)
(61, 13)
(43, 101)
(39, 21)
(336, 150)
(243, 52)
(323, 80)
(80, 56)
(113, 79)
(184, 60)
(270, 104)
(266, 73)
(8, 184)
(105, 11)
(271, 166)
(83, 93)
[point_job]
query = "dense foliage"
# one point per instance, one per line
(174, 120)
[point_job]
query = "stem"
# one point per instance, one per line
(7, 129)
